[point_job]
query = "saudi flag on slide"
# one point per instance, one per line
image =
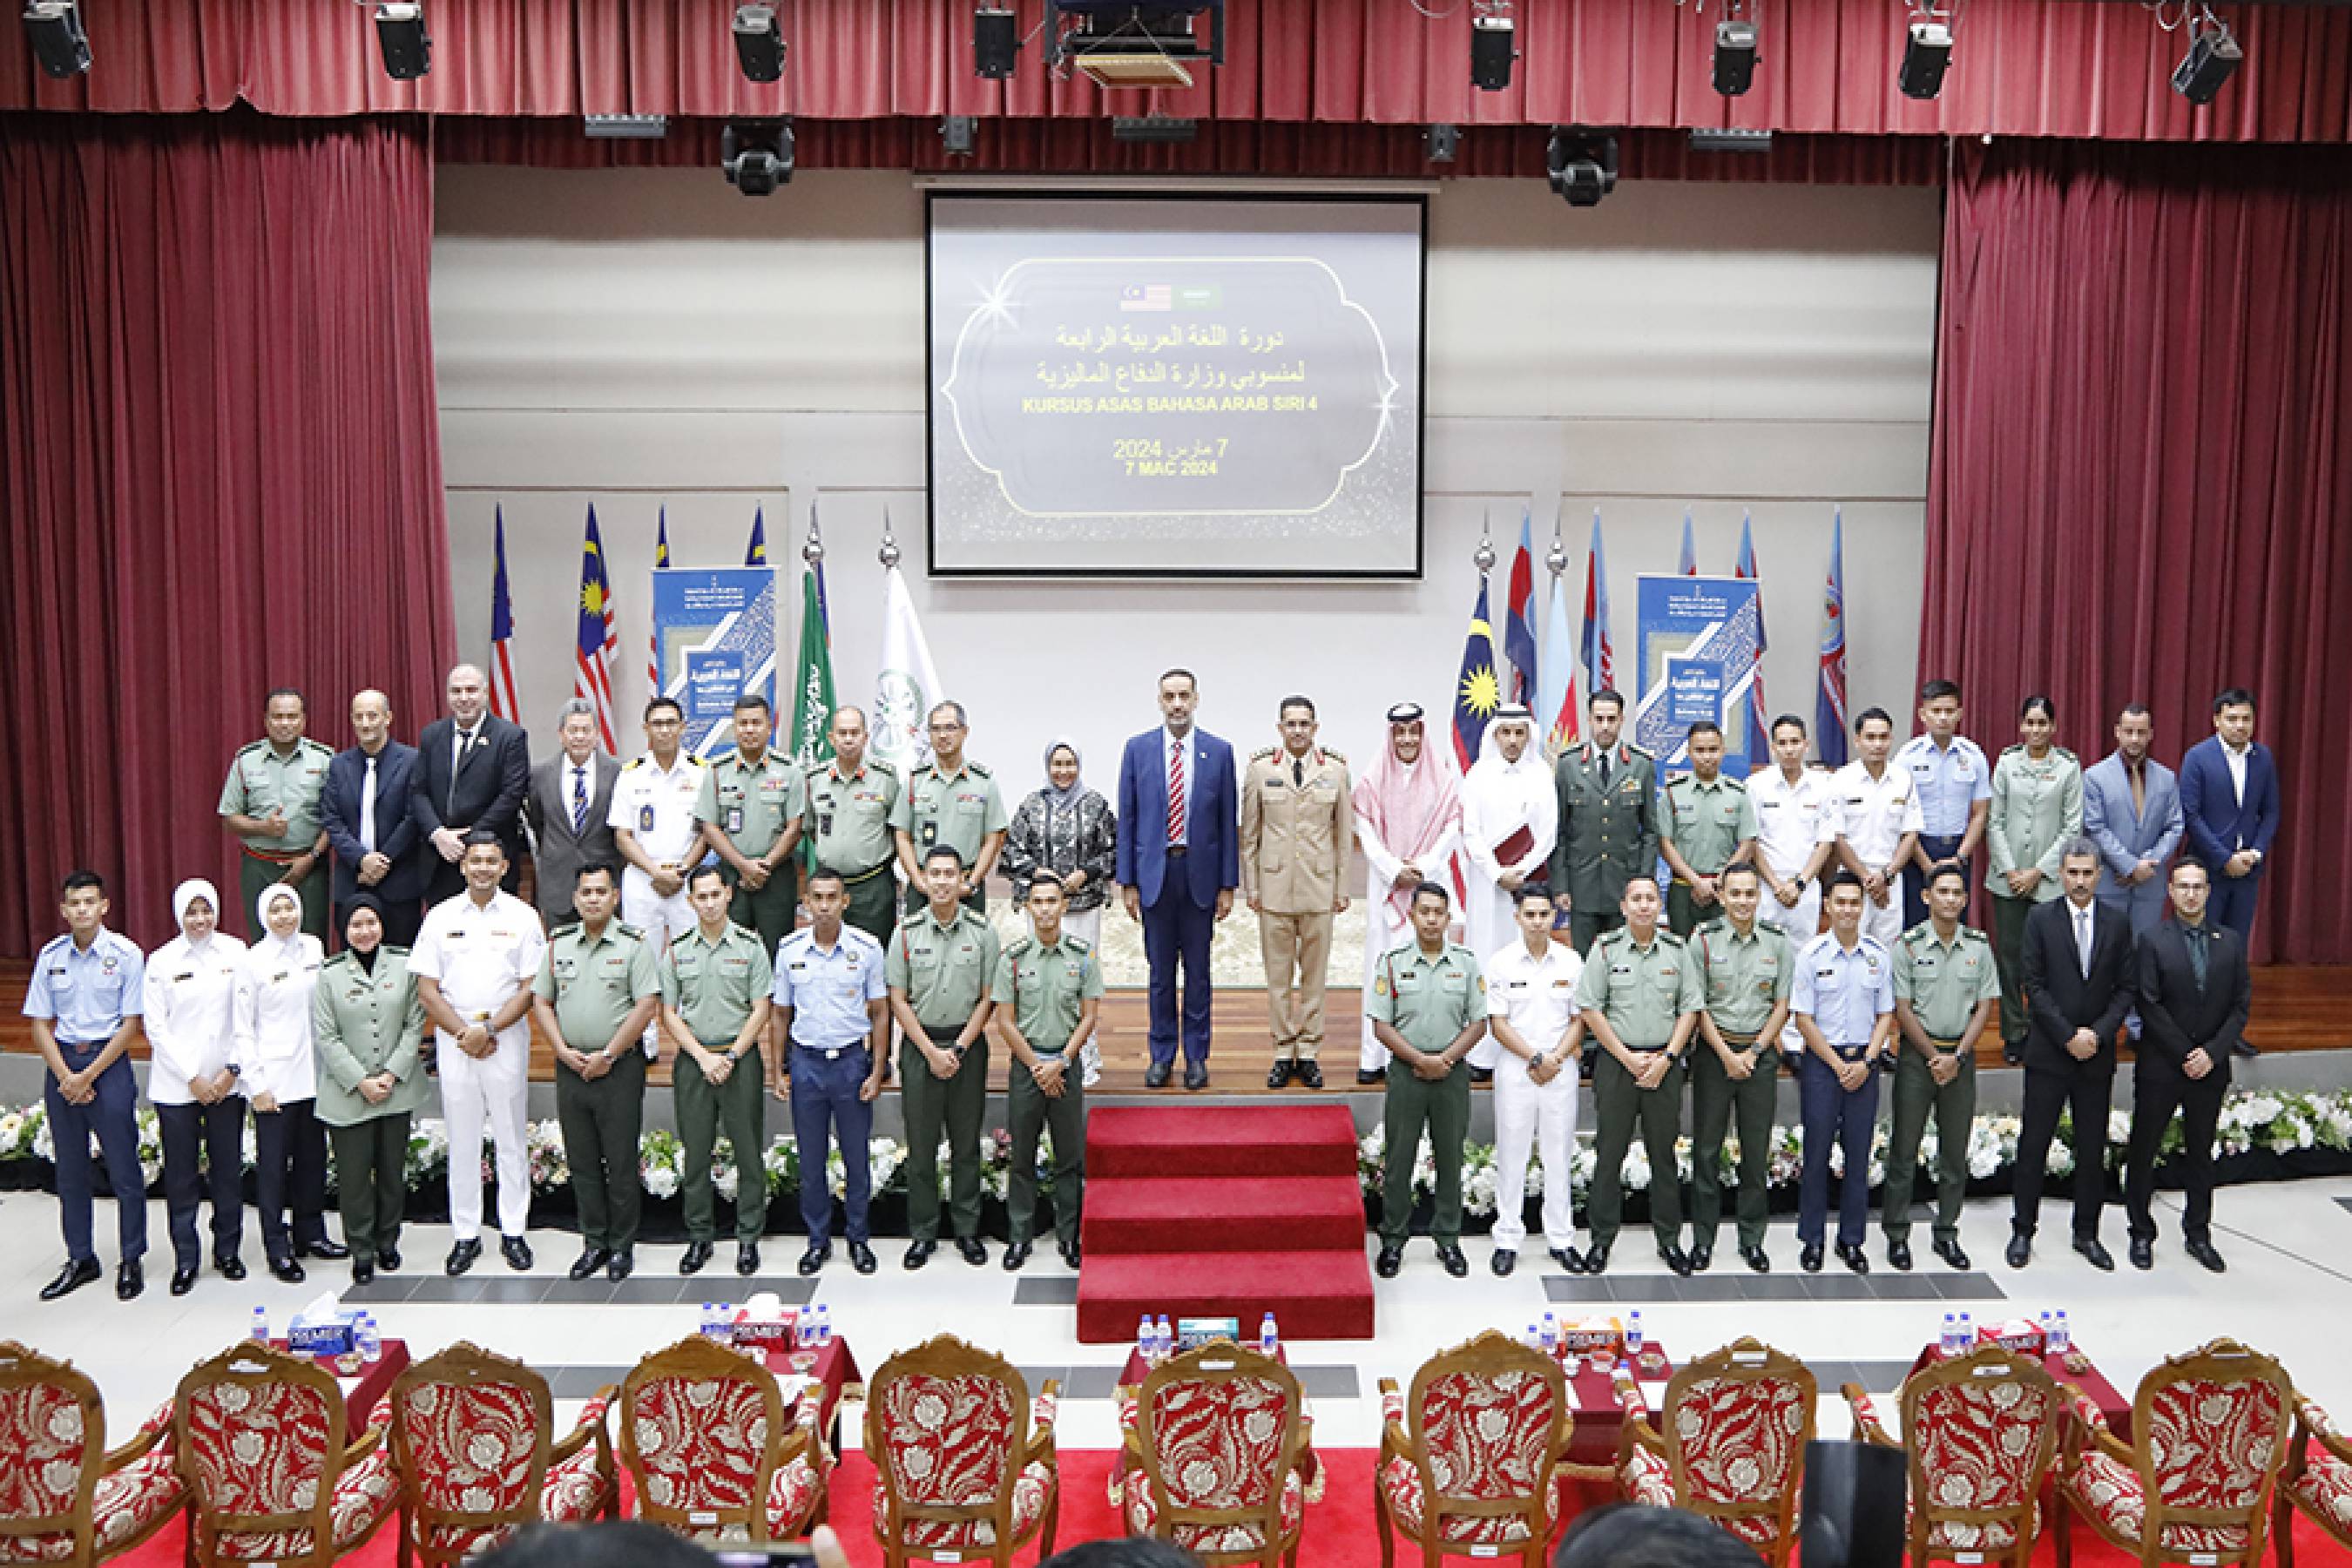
(813, 692)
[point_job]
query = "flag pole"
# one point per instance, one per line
(1558, 558)
(812, 548)
(1484, 556)
(888, 553)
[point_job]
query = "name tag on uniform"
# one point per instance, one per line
(734, 819)
(646, 818)
(824, 825)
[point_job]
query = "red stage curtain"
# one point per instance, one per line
(2142, 466)
(2022, 67)
(222, 474)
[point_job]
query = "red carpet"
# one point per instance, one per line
(1182, 1219)
(1339, 1531)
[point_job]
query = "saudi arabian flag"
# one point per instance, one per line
(812, 694)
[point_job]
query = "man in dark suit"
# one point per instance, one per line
(565, 807)
(472, 770)
(2078, 985)
(1179, 861)
(364, 808)
(2194, 994)
(2230, 808)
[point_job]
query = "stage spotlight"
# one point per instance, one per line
(958, 133)
(995, 41)
(759, 43)
(53, 28)
(1442, 144)
(1926, 56)
(1734, 56)
(1493, 40)
(407, 47)
(756, 155)
(1582, 165)
(1152, 127)
(2212, 58)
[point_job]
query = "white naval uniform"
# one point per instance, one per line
(1498, 799)
(1384, 929)
(656, 805)
(1538, 999)
(274, 981)
(1792, 820)
(191, 1017)
(483, 956)
(1872, 817)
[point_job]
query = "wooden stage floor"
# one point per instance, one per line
(2296, 1008)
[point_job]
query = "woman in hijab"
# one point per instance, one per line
(191, 1018)
(274, 984)
(367, 1029)
(1071, 831)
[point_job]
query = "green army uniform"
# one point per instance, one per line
(959, 810)
(1429, 1001)
(1642, 992)
(260, 781)
(714, 985)
(848, 829)
(1745, 977)
(593, 983)
(364, 1023)
(945, 972)
(1046, 988)
(2036, 811)
(1945, 982)
(1608, 833)
(753, 806)
(1707, 823)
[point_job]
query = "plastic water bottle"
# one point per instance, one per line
(1269, 1340)
(1167, 1338)
(370, 1342)
(709, 1329)
(1535, 1337)
(2065, 1336)
(1547, 1335)
(1951, 1339)
(261, 1325)
(1967, 1334)
(1633, 1334)
(824, 1324)
(1147, 1337)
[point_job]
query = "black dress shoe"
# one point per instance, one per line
(815, 1259)
(387, 1259)
(1450, 1255)
(1702, 1259)
(974, 1250)
(1390, 1259)
(1809, 1257)
(2020, 1249)
(286, 1270)
(861, 1257)
(1196, 1075)
(1596, 1257)
(918, 1254)
(1754, 1257)
(1015, 1254)
(2098, 1257)
(71, 1277)
(515, 1251)
(324, 1251)
(623, 1264)
(1851, 1255)
(697, 1257)
(183, 1278)
(2203, 1252)
(1675, 1257)
(233, 1267)
(1571, 1260)
(128, 1280)
(2012, 1053)
(1156, 1075)
(1482, 1075)
(1276, 1076)
(1949, 1251)
(362, 1271)
(747, 1257)
(1502, 1262)
(1072, 1254)
(1898, 1254)
(2143, 1252)
(2247, 1049)
(591, 1260)
(462, 1257)
(1372, 1075)
(1308, 1073)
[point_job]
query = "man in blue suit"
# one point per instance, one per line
(1179, 861)
(2230, 806)
(2131, 810)
(371, 828)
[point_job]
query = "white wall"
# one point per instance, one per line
(641, 336)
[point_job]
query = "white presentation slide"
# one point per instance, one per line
(1160, 386)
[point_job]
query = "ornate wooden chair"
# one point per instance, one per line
(2319, 1484)
(1468, 1460)
(63, 1497)
(1215, 1461)
(705, 1440)
(473, 1443)
(1983, 1431)
(964, 1461)
(1731, 1444)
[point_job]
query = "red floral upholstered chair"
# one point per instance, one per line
(2319, 1484)
(704, 1438)
(1983, 1430)
(473, 1443)
(63, 1497)
(1468, 1460)
(1732, 1448)
(965, 1464)
(2211, 1431)
(261, 1440)
(1215, 1461)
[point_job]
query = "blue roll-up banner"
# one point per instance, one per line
(714, 636)
(1697, 641)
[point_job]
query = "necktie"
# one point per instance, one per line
(367, 809)
(465, 746)
(2083, 938)
(1297, 771)
(2195, 937)
(1176, 792)
(579, 801)
(1604, 770)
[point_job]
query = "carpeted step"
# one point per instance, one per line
(1212, 1141)
(1223, 1214)
(1312, 1295)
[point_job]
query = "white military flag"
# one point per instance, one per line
(908, 684)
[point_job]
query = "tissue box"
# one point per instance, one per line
(1585, 1335)
(1193, 1332)
(322, 1337)
(761, 1335)
(2021, 1335)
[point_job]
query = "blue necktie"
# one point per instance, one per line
(579, 801)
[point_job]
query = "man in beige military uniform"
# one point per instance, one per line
(270, 803)
(1297, 824)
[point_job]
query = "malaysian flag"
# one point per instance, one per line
(1147, 297)
(1759, 730)
(592, 669)
(503, 701)
(1829, 703)
(652, 639)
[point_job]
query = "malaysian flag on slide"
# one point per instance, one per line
(1759, 718)
(599, 640)
(1829, 702)
(503, 701)
(652, 639)
(1147, 297)
(1519, 623)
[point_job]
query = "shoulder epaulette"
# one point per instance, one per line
(631, 763)
(625, 929)
(252, 746)
(338, 959)
(883, 765)
(1739, 784)
(2013, 750)
(387, 947)
(1338, 757)
(1264, 753)
(2068, 756)
(776, 756)
(1021, 944)
(1972, 931)
(981, 769)
(558, 930)
(1638, 751)
(1670, 938)
(319, 746)
(1078, 943)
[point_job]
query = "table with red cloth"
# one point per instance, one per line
(2116, 1405)
(832, 1366)
(366, 1384)
(1600, 1419)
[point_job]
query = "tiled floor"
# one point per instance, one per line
(2288, 1291)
